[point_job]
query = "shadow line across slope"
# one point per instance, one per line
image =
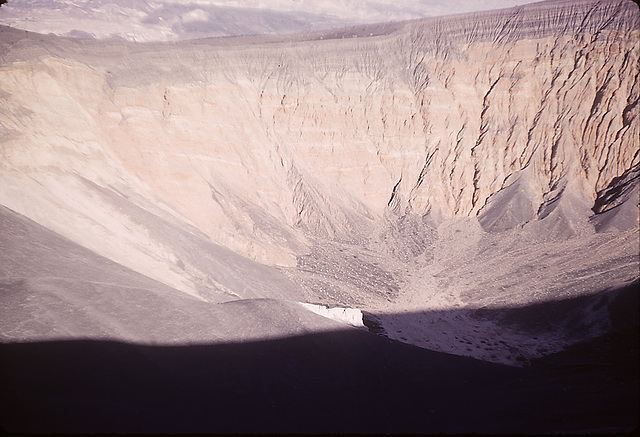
(341, 381)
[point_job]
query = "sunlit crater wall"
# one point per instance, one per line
(262, 145)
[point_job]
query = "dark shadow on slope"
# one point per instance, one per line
(346, 381)
(578, 319)
(573, 316)
(602, 375)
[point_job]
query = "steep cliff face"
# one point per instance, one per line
(264, 145)
(525, 92)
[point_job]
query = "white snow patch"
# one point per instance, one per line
(350, 316)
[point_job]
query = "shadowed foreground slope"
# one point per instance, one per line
(345, 381)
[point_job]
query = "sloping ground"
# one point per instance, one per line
(447, 178)
(89, 346)
(473, 272)
(55, 289)
(342, 381)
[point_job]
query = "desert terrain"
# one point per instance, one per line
(421, 226)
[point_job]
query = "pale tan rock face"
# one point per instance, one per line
(264, 145)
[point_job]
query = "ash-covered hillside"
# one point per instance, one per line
(470, 183)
